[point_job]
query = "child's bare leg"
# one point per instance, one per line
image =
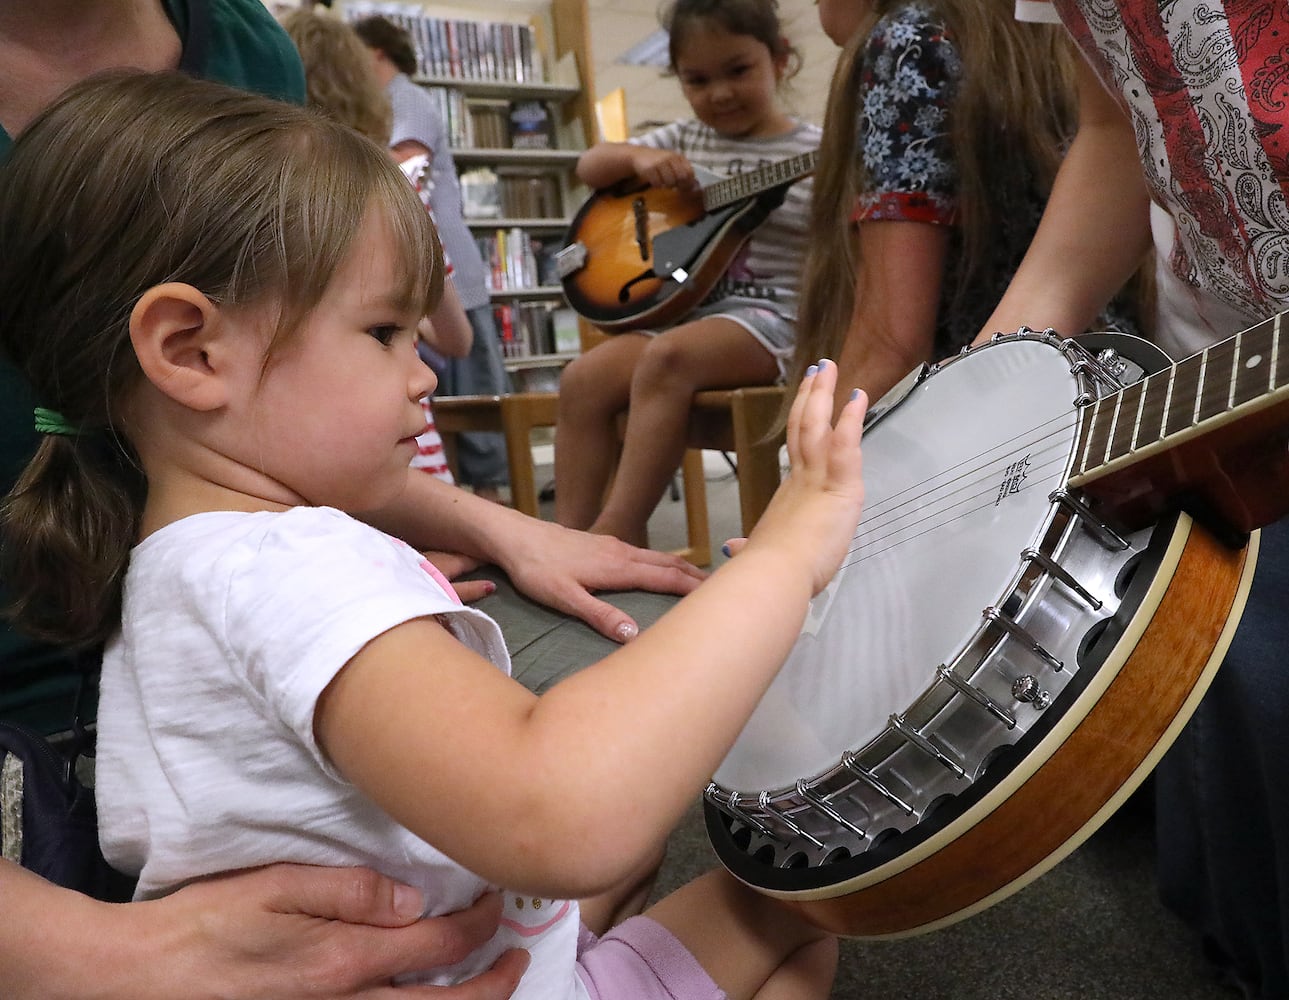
(593, 390)
(710, 353)
(607, 910)
(753, 947)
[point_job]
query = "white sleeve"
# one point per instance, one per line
(320, 586)
(1041, 11)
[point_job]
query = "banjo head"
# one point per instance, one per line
(977, 605)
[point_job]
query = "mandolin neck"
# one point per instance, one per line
(753, 182)
(1211, 433)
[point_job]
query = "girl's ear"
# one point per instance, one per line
(176, 333)
(780, 59)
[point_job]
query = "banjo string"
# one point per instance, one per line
(983, 464)
(981, 469)
(868, 544)
(970, 465)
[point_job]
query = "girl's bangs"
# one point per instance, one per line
(346, 177)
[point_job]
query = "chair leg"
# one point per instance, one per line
(520, 413)
(752, 416)
(697, 528)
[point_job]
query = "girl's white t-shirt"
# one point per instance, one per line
(234, 624)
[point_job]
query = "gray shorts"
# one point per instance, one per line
(774, 331)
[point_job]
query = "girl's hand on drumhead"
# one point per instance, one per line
(816, 508)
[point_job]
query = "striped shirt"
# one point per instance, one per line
(771, 260)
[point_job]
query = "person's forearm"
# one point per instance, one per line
(897, 299)
(605, 164)
(60, 945)
(431, 514)
(1095, 229)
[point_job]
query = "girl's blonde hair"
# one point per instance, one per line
(1012, 115)
(338, 73)
(130, 181)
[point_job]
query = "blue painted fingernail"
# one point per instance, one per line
(725, 550)
(811, 370)
(823, 362)
(854, 394)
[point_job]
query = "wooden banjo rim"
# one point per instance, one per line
(1025, 826)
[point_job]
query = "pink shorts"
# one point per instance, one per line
(641, 960)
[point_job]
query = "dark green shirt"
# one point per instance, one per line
(232, 41)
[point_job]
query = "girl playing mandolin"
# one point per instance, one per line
(235, 374)
(730, 57)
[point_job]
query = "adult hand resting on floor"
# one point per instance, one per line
(562, 567)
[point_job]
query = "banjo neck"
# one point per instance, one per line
(1211, 433)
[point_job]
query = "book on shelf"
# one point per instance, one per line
(462, 48)
(566, 333)
(511, 258)
(493, 123)
(480, 193)
(511, 192)
(458, 118)
(529, 193)
(531, 125)
(489, 123)
(527, 329)
(518, 261)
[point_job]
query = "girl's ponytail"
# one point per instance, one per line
(65, 534)
(128, 181)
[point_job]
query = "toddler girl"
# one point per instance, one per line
(222, 330)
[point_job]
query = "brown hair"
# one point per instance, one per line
(381, 33)
(129, 181)
(1012, 115)
(338, 74)
(757, 18)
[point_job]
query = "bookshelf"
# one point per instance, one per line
(513, 81)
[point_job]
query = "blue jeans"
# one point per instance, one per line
(481, 455)
(1222, 794)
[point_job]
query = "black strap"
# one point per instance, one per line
(196, 40)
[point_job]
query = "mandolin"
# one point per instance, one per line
(640, 257)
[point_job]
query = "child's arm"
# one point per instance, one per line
(562, 795)
(609, 162)
(448, 329)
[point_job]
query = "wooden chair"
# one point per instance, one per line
(729, 420)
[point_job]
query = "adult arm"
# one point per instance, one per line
(557, 566)
(897, 298)
(286, 932)
(1095, 229)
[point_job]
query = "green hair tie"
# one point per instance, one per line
(53, 422)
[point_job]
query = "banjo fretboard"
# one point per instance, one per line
(1219, 385)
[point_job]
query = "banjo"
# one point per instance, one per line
(1025, 621)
